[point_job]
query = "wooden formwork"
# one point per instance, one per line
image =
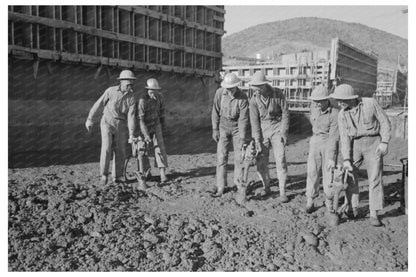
(350, 65)
(185, 39)
(62, 58)
(391, 87)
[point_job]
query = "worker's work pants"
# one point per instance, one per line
(272, 137)
(228, 133)
(156, 135)
(114, 136)
(364, 148)
(317, 162)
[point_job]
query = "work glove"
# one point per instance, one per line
(330, 165)
(382, 149)
(347, 165)
(258, 146)
(147, 139)
(88, 125)
(215, 135)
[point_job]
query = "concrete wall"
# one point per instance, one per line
(47, 113)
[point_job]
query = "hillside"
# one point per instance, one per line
(311, 33)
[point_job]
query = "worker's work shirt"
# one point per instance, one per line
(151, 109)
(268, 108)
(325, 128)
(118, 106)
(366, 119)
(230, 110)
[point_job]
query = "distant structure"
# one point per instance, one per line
(297, 74)
(391, 87)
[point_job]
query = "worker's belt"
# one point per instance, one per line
(227, 119)
(367, 136)
(325, 135)
(120, 118)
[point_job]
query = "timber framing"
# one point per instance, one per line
(35, 54)
(184, 39)
(106, 34)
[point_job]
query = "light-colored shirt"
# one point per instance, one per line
(366, 119)
(117, 105)
(232, 108)
(325, 123)
(268, 108)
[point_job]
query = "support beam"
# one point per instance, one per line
(107, 34)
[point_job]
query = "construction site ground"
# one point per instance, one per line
(60, 219)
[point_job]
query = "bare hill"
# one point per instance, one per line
(311, 33)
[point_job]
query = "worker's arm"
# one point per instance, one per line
(101, 102)
(162, 114)
(331, 151)
(285, 115)
(243, 119)
(131, 117)
(141, 115)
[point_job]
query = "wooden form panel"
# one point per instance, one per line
(120, 32)
(352, 66)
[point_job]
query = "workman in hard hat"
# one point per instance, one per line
(269, 117)
(323, 146)
(151, 114)
(230, 121)
(365, 132)
(117, 124)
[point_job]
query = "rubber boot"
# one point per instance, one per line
(163, 178)
(221, 180)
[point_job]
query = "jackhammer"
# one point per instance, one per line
(339, 183)
(248, 158)
(139, 153)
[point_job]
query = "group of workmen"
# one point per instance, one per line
(360, 129)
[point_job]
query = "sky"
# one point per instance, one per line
(387, 18)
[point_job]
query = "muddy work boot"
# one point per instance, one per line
(103, 180)
(241, 196)
(163, 178)
(283, 198)
(375, 221)
(142, 185)
(333, 219)
(309, 206)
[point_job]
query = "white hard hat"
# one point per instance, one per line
(126, 75)
(152, 83)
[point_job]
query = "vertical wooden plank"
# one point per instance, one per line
(37, 29)
(113, 29)
(12, 32)
(96, 27)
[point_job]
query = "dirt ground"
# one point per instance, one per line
(61, 220)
